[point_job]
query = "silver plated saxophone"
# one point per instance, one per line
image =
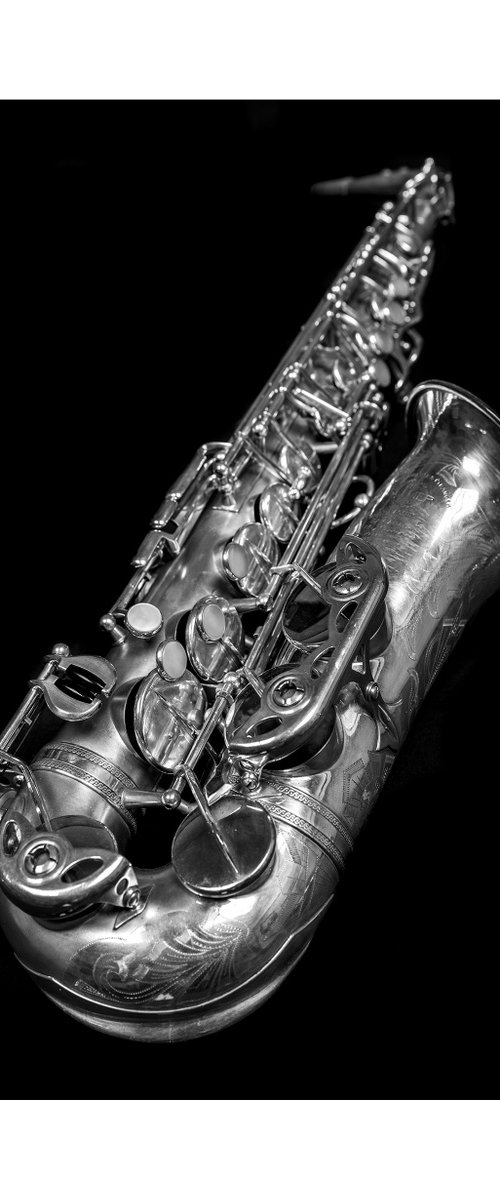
(281, 626)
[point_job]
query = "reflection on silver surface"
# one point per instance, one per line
(214, 638)
(279, 511)
(261, 553)
(168, 714)
(300, 464)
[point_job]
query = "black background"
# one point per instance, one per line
(158, 259)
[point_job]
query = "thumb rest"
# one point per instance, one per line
(263, 673)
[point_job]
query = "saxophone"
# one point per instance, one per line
(281, 626)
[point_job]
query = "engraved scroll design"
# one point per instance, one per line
(361, 783)
(189, 962)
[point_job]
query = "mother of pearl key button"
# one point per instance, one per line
(171, 659)
(213, 622)
(144, 620)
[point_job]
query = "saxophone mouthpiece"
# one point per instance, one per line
(386, 183)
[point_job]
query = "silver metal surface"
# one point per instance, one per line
(296, 708)
(261, 676)
(236, 857)
(168, 714)
(279, 511)
(214, 638)
(258, 546)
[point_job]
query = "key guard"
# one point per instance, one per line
(297, 698)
